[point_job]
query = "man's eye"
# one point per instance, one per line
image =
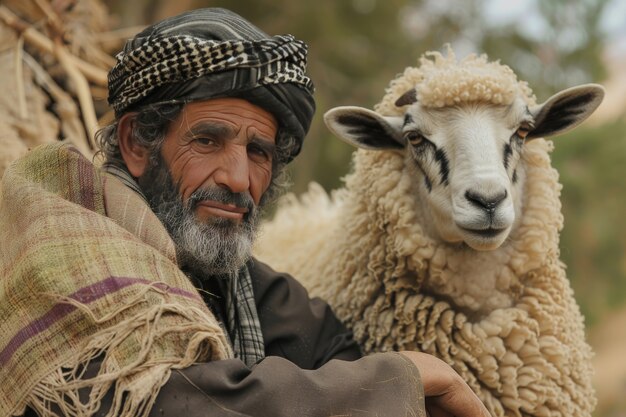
(258, 152)
(206, 141)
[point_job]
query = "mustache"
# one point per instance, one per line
(221, 195)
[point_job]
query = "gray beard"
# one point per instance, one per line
(218, 246)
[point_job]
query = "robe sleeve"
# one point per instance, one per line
(383, 384)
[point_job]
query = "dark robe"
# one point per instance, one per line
(312, 367)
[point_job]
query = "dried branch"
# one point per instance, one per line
(82, 92)
(113, 40)
(103, 57)
(60, 6)
(43, 43)
(66, 109)
(106, 118)
(19, 78)
(54, 21)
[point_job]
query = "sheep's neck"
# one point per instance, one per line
(475, 282)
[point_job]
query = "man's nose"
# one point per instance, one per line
(234, 173)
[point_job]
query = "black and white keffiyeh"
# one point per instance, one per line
(173, 59)
(211, 53)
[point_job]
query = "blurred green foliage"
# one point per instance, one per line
(358, 46)
(591, 163)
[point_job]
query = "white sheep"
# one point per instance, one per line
(445, 237)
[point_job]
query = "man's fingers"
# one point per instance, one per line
(432, 410)
(459, 402)
(446, 392)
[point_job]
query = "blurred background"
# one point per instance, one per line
(358, 46)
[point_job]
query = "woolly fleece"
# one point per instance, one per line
(506, 320)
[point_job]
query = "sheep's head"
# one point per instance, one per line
(465, 133)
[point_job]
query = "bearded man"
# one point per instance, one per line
(131, 290)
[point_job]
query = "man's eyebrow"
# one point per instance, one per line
(209, 129)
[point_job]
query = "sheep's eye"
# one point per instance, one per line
(413, 137)
(523, 131)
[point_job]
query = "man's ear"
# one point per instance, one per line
(135, 155)
(364, 128)
(565, 110)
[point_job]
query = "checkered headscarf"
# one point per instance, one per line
(211, 53)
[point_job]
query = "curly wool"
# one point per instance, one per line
(364, 251)
(442, 80)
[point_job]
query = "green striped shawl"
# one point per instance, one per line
(88, 271)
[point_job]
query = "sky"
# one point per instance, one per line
(613, 20)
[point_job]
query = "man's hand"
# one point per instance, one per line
(446, 393)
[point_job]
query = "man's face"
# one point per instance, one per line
(215, 165)
(226, 143)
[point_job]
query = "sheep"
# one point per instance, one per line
(445, 236)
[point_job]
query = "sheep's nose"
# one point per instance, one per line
(485, 202)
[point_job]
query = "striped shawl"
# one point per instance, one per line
(87, 271)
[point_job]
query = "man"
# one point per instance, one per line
(209, 110)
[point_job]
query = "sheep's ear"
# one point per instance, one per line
(565, 110)
(364, 128)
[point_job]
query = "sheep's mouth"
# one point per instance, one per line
(485, 233)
